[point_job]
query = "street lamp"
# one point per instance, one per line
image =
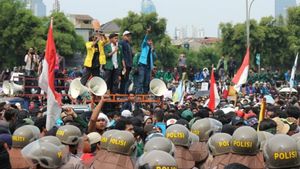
(248, 10)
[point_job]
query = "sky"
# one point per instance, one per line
(207, 14)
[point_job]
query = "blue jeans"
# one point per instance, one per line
(143, 80)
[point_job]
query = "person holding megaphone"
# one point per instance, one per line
(93, 59)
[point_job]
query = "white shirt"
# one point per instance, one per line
(114, 56)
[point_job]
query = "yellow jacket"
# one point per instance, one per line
(102, 57)
(90, 53)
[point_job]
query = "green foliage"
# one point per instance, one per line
(138, 24)
(66, 40)
(276, 41)
(204, 57)
(20, 30)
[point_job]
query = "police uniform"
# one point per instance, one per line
(17, 161)
(74, 162)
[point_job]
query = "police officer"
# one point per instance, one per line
(281, 151)
(70, 136)
(245, 148)
(20, 138)
(43, 154)
(219, 146)
(160, 143)
(120, 148)
(157, 159)
(203, 128)
(179, 135)
(263, 136)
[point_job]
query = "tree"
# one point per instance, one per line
(204, 57)
(66, 40)
(18, 29)
(276, 42)
(138, 24)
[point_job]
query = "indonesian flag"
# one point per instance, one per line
(241, 76)
(214, 98)
(46, 81)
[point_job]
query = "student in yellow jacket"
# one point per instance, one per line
(92, 60)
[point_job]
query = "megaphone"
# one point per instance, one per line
(15, 88)
(6, 87)
(158, 87)
(11, 88)
(76, 88)
(97, 86)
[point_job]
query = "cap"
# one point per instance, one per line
(126, 33)
(126, 113)
(187, 114)
(112, 35)
(171, 121)
(94, 137)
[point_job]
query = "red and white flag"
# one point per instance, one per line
(214, 98)
(241, 76)
(46, 81)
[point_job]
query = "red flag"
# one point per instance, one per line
(46, 81)
(214, 98)
(241, 76)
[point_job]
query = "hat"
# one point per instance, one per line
(171, 121)
(282, 128)
(126, 113)
(126, 33)
(94, 137)
(6, 138)
(112, 35)
(103, 116)
(187, 114)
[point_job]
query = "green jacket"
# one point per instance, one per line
(109, 64)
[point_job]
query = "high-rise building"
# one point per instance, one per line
(37, 7)
(148, 7)
(56, 6)
(281, 7)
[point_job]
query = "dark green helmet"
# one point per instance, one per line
(159, 143)
(204, 128)
(25, 135)
(178, 134)
(219, 144)
(245, 141)
(69, 134)
(105, 138)
(157, 159)
(281, 151)
(121, 142)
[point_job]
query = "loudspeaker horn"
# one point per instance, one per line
(76, 88)
(15, 88)
(6, 87)
(158, 87)
(97, 86)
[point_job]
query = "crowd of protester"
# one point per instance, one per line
(165, 135)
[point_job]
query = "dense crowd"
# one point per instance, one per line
(166, 135)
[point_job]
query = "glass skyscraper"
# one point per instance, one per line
(281, 7)
(148, 7)
(37, 7)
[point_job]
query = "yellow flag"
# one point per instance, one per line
(262, 112)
